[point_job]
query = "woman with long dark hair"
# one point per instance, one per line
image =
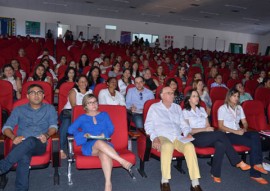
(94, 77)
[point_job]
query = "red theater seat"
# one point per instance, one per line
(119, 140)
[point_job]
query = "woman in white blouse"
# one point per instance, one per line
(202, 90)
(125, 81)
(229, 116)
(111, 96)
(205, 136)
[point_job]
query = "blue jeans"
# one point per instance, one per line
(65, 118)
(138, 120)
(22, 154)
(253, 141)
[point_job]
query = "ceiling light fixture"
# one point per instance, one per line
(110, 10)
(151, 15)
(121, 1)
(235, 6)
(58, 4)
(209, 13)
(193, 20)
(250, 19)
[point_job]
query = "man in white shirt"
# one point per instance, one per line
(100, 58)
(166, 126)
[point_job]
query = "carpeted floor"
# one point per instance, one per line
(233, 179)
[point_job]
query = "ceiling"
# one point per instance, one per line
(245, 16)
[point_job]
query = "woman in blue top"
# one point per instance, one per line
(96, 123)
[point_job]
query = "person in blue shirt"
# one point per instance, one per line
(36, 123)
(135, 99)
(96, 123)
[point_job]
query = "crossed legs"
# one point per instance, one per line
(106, 153)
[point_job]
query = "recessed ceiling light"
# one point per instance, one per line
(193, 20)
(235, 6)
(57, 4)
(209, 13)
(151, 15)
(110, 10)
(250, 19)
(121, 1)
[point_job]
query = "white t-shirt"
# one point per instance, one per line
(79, 98)
(104, 97)
(197, 118)
(230, 117)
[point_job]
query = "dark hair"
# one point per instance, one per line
(168, 82)
(42, 62)
(265, 80)
(115, 63)
(137, 72)
(139, 77)
(19, 67)
(8, 66)
(67, 71)
(187, 105)
(111, 78)
(36, 77)
(129, 79)
(81, 66)
(230, 93)
(32, 86)
(77, 80)
(90, 77)
(179, 68)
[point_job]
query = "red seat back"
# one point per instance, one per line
(214, 112)
(147, 105)
(231, 83)
(6, 95)
(48, 90)
(98, 88)
(251, 85)
(63, 95)
(263, 95)
(254, 111)
(218, 93)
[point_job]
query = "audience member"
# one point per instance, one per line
(166, 127)
(111, 96)
(229, 116)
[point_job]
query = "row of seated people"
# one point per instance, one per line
(165, 132)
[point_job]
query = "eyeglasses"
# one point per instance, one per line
(141, 96)
(39, 93)
(92, 103)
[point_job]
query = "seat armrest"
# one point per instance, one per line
(2, 146)
(55, 150)
(148, 145)
(70, 147)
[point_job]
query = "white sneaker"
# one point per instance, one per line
(266, 166)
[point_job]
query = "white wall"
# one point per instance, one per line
(180, 33)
